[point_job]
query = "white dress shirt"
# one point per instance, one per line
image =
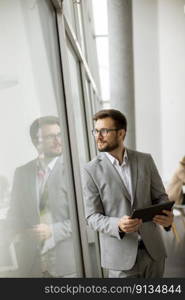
(123, 170)
(41, 180)
(125, 173)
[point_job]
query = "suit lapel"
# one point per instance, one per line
(134, 171)
(32, 204)
(111, 170)
(57, 171)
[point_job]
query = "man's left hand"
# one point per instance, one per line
(43, 231)
(165, 221)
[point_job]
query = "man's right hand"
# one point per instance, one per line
(42, 231)
(127, 224)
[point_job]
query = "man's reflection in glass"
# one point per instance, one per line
(39, 212)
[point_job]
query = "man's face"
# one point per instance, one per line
(112, 140)
(49, 140)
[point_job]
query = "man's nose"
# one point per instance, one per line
(58, 137)
(57, 140)
(99, 137)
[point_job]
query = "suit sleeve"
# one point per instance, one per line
(60, 232)
(94, 211)
(14, 220)
(158, 192)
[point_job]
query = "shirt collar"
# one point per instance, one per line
(49, 167)
(52, 163)
(114, 161)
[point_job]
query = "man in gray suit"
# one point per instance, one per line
(116, 182)
(38, 218)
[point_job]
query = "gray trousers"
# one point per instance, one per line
(144, 267)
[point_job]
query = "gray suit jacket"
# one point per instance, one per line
(107, 200)
(24, 214)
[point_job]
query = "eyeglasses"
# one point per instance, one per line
(51, 137)
(103, 131)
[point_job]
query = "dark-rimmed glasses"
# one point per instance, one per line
(104, 131)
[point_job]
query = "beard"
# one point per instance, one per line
(108, 147)
(52, 155)
(54, 152)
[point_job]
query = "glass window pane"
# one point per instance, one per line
(77, 97)
(82, 144)
(103, 61)
(70, 13)
(36, 237)
(80, 23)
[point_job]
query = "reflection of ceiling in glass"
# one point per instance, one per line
(7, 82)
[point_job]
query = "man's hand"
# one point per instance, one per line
(165, 221)
(127, 224)
(43, 231)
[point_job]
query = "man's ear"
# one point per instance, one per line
(123, 133)
(39, 147)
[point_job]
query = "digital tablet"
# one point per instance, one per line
(148, 213)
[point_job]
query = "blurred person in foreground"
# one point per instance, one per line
(176, 187)
(116, 182)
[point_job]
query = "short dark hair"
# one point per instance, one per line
(119, 118)
(38, 123)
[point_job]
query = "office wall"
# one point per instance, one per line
(172, 74)
(146, 78)
(159, 64)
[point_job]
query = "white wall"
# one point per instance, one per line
(172, 80)
(146, 77)
(159, 54)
